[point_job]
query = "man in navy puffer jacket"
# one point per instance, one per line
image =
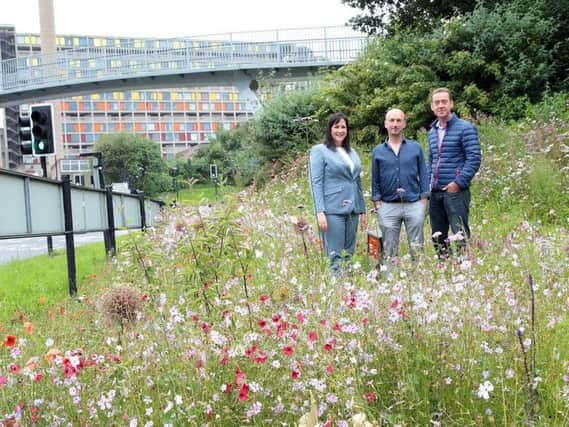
(454, 159)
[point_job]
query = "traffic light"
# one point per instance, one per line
(213, 171)
(25, 132)
(43, 135)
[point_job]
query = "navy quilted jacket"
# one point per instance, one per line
(458, 158)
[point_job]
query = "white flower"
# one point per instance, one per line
(484, 390)
(49, 342)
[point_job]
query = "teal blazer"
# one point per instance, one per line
(335, 188)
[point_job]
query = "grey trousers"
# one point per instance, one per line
(340, 240)
(391, 216)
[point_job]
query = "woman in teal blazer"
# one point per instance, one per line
(337, 192)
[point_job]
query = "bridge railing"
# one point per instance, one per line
(327, 46)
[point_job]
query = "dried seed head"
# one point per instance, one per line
(121, 304)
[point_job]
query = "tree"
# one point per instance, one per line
(133, 159)
(385, 16)
(516, 37)
(285, 125)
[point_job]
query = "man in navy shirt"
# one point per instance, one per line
(454, 159)
(399, 185)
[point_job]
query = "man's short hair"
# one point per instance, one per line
(441, 90)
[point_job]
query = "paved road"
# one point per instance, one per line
(11, 250)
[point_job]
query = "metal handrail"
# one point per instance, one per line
(326, 47)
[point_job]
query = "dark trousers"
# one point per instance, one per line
(449, 210)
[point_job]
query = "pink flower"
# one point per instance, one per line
(261, 358)
(371, 397)
(244, 393)
(3, 380)
(239, 377)
(288, 350)
(330, 369)
(281, 328)
(330, 345)
(14, 368)
(251, 350)
(69, 371)
(300, 317)
(312, 336)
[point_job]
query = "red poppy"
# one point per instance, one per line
(295, 374)
(14, 368)
(9, 341)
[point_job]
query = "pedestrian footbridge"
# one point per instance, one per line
(236, 59)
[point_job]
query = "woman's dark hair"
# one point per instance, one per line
(328, 140)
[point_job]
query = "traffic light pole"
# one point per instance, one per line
(69, 239)
(43, 161)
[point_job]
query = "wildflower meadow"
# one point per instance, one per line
(227, 315)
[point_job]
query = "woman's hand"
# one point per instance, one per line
(322, 223)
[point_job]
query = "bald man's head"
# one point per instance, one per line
(395, 122)
(395, 111)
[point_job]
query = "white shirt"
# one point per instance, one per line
(346, 158)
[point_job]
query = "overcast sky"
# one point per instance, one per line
(175, 18)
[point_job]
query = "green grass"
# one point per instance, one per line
(28, 286)
(199, 193)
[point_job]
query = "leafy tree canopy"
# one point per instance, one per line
(133, 159)
(385, 16)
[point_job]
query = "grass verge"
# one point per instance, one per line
(28, 287)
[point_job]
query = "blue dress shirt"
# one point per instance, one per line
(399, 178)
